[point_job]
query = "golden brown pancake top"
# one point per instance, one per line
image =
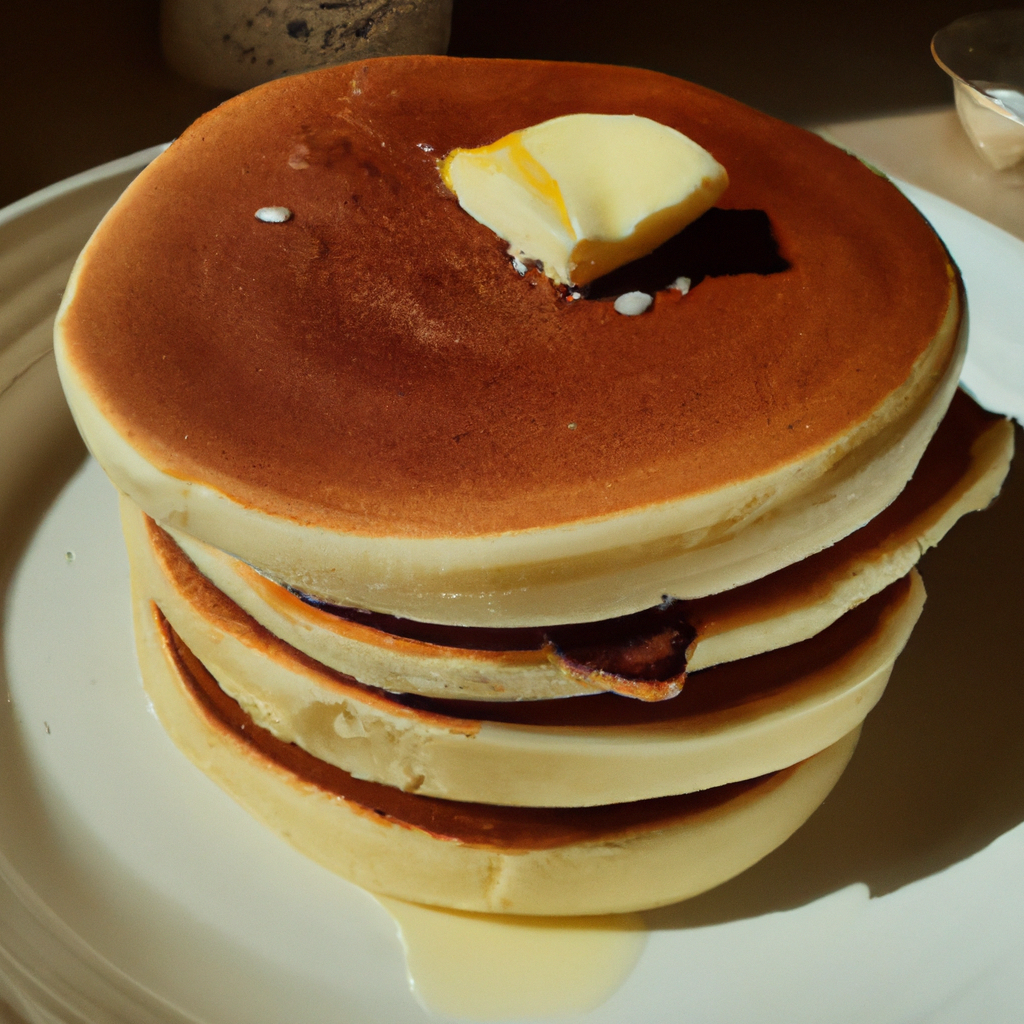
(375, 364)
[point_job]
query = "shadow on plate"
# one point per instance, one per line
(939, 772)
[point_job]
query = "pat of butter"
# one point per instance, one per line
(586, 193)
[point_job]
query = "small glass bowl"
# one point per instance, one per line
(984, 55)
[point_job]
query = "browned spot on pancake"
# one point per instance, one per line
(732, 685)
(649, 666)
(484, 825)
(641, 655)
(376, 365)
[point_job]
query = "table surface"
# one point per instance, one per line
(930, 149)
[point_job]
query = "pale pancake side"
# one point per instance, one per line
(731, 723)
(587, 861)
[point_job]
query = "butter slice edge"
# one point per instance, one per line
(585, 193)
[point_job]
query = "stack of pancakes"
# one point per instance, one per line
(477, 591)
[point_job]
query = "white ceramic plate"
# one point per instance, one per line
(132, 889)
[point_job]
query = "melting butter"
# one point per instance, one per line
(585, 193)
(484, 967)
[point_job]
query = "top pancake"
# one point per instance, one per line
(375, 367)
(375, 364)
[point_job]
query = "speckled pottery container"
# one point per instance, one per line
(236, 44)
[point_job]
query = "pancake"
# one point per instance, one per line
(367, 402)
(730, 723)
(544, 861)
(398, 507)
(961, 471)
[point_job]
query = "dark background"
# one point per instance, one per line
(83, 82)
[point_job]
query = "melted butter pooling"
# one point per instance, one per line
(491, 967)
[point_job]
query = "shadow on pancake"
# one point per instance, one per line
(717, 244)
(939, 772)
